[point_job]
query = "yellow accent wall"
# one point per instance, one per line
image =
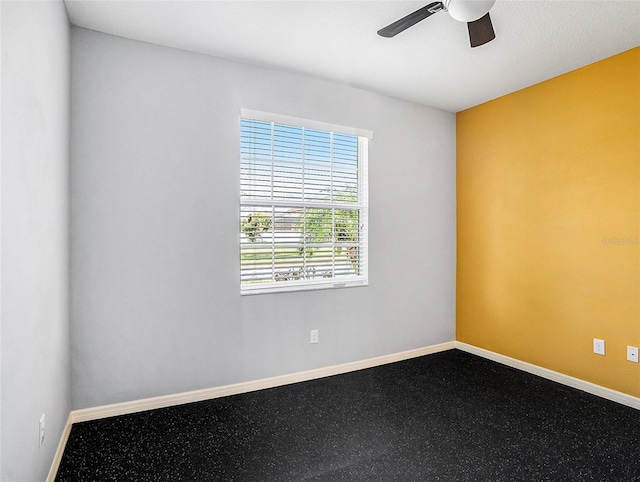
(548, 206)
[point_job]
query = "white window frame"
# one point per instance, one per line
(362, 205)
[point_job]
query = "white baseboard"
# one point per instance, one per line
(125, 408)
(59, 451)
(115, 409)
(570, 381)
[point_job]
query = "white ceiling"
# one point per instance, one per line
(431, 63)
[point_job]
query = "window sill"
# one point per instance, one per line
(285, 287)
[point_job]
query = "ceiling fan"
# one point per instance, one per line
(474, 12)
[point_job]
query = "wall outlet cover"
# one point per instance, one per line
(632, 354)
(598, 346)
(42, 430)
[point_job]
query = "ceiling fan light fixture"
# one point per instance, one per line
(468, 10)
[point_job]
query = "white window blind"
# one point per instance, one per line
(303, 206)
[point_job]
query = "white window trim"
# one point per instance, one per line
(364, 136)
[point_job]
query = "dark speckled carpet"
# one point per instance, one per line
(450, 416)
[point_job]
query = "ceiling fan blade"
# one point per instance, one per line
(481, 31)
(404, 23)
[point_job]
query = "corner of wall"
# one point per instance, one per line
(548, 193)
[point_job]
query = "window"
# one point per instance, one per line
(303, 204)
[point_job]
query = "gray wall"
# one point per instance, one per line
(34, 252)
(156, 307)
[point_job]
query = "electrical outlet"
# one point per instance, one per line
(632, 354)
(41, 426)
(314, 336)
(598, 346)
